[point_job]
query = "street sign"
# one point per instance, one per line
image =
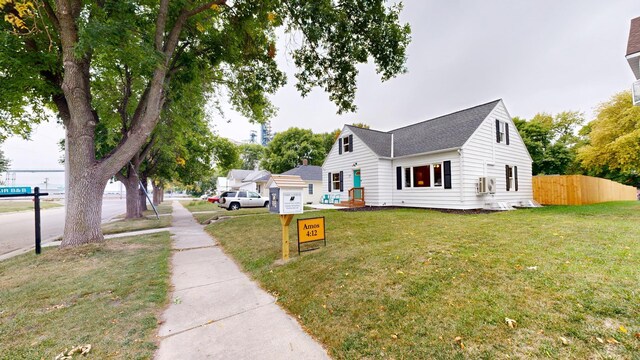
(310, 230)
(15, 190)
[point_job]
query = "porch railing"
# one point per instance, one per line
(356, 194)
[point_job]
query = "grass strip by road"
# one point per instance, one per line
(108, 295)
(121, 226)
(211, 211)
(18, 205)
(412, 283)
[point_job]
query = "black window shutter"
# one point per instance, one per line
(515, 177)
(340, 146)
(330, 182)
(341, 182)
(447, 174)
(506, 171)
(497, 130)
(351, 143)
(399, 177)
(506, 132)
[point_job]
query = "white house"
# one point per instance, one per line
(312, 177)
(470, 159)
(250, 180)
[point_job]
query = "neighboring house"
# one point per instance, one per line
(312, 176)
(469, 159)
(251, 180)
(633, 47)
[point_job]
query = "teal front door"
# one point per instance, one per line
(356, 178)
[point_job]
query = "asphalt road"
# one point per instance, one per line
(17, 230)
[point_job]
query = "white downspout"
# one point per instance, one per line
(461, 176)
(392, 168)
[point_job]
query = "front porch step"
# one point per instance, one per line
(352, 204)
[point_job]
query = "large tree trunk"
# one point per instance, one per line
(132, 185)
(142, 195)
(156, 193)
(83, 197)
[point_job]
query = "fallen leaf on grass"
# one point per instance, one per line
(600, 340)
(68, 354)
(512, 323)
(637, 335)
(532, 268)
(394, 336)
(400, 272)
(623, 329)
(564, 341)
(613, 341)
(458, 341)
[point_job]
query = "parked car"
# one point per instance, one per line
(214, 199)
(234, 200)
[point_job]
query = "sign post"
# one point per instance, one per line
(26, 191)
(285, 198)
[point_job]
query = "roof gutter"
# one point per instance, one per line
(420, 154)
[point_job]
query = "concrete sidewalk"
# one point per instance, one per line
(217, 312)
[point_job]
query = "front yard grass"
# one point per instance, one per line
(406, 283)
(120, 226)
(18, 205)
(108, 295)
(210, 210)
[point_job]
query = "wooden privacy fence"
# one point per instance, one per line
(578, 190)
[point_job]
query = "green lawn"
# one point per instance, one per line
(19, 205)
(210, 210)
(108, 295)
(406, 283)
(120, 226)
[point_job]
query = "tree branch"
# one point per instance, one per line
(161, 23)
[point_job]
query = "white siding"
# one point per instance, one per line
(433, 197)
(318, 190)
(386, 180)
(361, 158)
(483, 156)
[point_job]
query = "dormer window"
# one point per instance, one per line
(346, 145)
(502, 132)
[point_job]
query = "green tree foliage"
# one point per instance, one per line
(251, 155)
(288, 148)
(4, 162)
(226, 155)
(612, 149)
(552, 141)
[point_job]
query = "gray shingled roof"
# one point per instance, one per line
(378, 141)
(306, 172)
(444, 132)
(239, 174)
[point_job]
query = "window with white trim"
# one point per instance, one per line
(407, 177)
(346, 146)
(501, 132)
(335, 180)
(429, 175)
(511, 178)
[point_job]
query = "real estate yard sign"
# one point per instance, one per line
(310, 230)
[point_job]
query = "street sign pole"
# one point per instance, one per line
(9, 192)
(36, 206)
